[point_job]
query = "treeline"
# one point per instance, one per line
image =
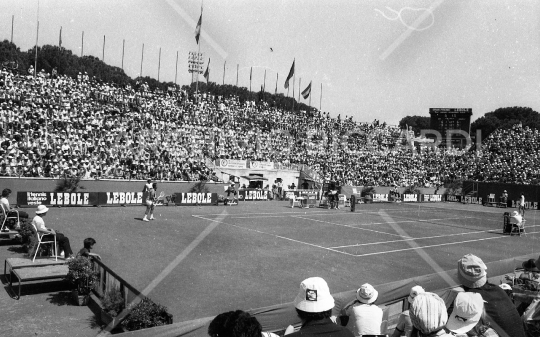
(66, 63)
(505, 118)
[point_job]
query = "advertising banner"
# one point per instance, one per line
(409, 198)
(200, 199)
(230, 163)
(262, 165)
(431, 197)
(453, 198)
(252, 195)
(78, 198)
(380, 197)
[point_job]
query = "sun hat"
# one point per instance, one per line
(505, 286)
(472, 271)
(367, 294)
(314, 296)
(530, 265)
(415, 291)
(428, 313)
(468, 308)
(41, 209)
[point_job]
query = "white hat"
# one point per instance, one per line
(314, 296)
(41, 209)
(414, 292)
(367, 294)
(468, 308)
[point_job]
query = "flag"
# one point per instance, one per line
(307, 91)
(60, 39)
(198, 28)
(207, 72)
(250, 73)
(291, 74)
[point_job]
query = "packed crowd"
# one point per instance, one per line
(480, 309)
(55, 126)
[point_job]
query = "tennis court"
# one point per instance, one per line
(201, 261)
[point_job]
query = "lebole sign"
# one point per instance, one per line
(79, 198)
(186, 199)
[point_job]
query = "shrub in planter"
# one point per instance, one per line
(112, 304)
(146, 314)
(368, 190)
(82, 276)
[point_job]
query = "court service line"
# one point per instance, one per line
(411, 239)
(318, 212)
(349, 226)
(431, 246)
(277, 236)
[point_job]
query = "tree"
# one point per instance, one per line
(505, 118)
(417, 122)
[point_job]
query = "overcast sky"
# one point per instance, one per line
(379, 59)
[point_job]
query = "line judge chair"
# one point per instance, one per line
(6, 217)
(40, 236)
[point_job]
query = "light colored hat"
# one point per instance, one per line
(505, 286)
(367, 294)
(41, 209)
(428, 313)
(314, 296)
(414, 292)
(472, 271)
(468, 308)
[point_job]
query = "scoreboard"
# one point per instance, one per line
(445, 119)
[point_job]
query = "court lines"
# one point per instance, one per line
(403, 238)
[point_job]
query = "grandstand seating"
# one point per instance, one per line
(55, 126)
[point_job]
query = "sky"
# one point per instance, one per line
(379, 59)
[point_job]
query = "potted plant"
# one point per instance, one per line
(83, 277)
(367, 193)
(146, 314)
(112, 304)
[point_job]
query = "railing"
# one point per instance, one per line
(109, 280)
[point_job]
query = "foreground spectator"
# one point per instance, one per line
(367, 316)
(314, 305)
(61, 239)
(5, 203)
(86, 250)
(404, 325)
(468, 317)
(501, 312)
(236, 324)
(428, 316)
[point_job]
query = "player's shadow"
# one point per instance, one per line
(140, 219)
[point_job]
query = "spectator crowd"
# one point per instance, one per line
(475, 308)
(54, 126)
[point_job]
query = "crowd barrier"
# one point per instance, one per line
(391, 296)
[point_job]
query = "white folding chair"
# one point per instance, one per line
(161, 199)
(518, 228)
(294, 201)
(6, 217)
(40, 236)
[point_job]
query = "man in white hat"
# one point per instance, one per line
(314, 305)
(367, 315)
(404, 325)
(61, 239)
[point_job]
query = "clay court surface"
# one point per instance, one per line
(200, 261)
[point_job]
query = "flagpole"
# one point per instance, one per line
(293, 85)
(277, 78)
(250, 75)
(264, 83)
(320, 101)
(123, 47)
(12, 21)
(37, 35)
(299, 89)
(159, 64)
(142, 58)
(310, 95)
(237, 66)
(197, 77)
(82, 44)
(60, 39)
(224, 63)
(103, 57)
(176, 71)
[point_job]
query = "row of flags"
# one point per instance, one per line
(305, 93)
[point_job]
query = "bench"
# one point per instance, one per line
(24, 270)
